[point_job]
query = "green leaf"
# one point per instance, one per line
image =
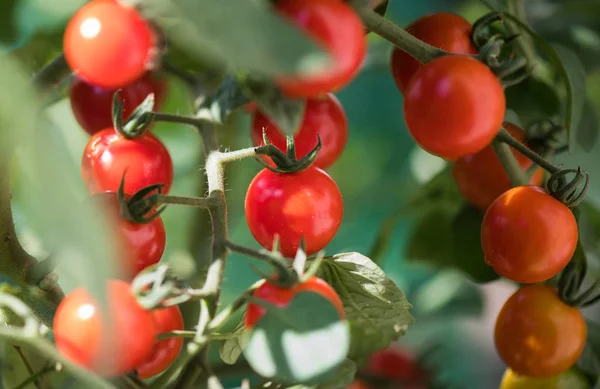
(588, 223)
(533, 100)
(589, 362)
(285, 113)
(589, 126)
(231, 349)
(375, 307)
(225, 100)
(304, 342)
(220, 31)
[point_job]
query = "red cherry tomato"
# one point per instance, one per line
(444, 30)
(335, 26)
(537, 335)
(481, 178)
(527, 235)
(166, 351)
(141, 244)
(281, 297)
(324, 117)
(306, 204)
(109, 44)
(394, 363)
(92, 105)
(108, 154)
(111, 344)
(454, 106)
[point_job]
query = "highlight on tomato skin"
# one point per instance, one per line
(339, 30)
(480, 177)
(537, 335)
(444, 30)
(324, 117)
(104, 342)
(281, 297)
(527, 235)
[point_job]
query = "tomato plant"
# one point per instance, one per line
(527, 235)
(447, 31)
(165, 351)
(111, 344)
(538, 335)
(281, 297)
(324, 118)
(394, 363)
(454, 106)
(109, 44)
(108, 155)
(334, 25)
(92, 105)
(305, 205)
(481, 178)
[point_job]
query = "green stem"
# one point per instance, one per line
(200, 202)
(416, 48)
(524, 43)
(505, 137)
(51, 75)
(277, 261)
(33, 378)
(509, 163)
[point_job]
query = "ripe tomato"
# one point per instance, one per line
(108, 154)
(527, 235)
(481, 178)
(324, 117)
(166, 351)
(92, 105)
(394, 363)
(335, 26)
(537, 335)
(111, 344)
(306, 204)
(444, 30)
(109, 44)
(570, 379)
(454, 106)
(141, 245)
(281, 297)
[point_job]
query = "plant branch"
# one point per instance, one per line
(505, 137)
(524, 42)
(200, 202)
(401, 38)
(510, 164)
(52, 74)
(34, 378)
(277, 261)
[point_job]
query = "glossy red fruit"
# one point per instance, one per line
(281, 297)
(110, 343)
(454, 106)
(92, 105)
(306, 204)
(527, 235)
(538, 335)
(166, 351)
(334, 25)
(108, 154)
(444, 30)
(324, 117)
(394, 363)
(481, 178)
(109, 44)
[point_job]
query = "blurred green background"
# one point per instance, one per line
(379, 170)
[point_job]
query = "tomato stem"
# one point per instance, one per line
(509, 163)
(524, 43)
(416, 48)
(506, 137)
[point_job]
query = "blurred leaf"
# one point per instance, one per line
(513, 117)
(267, 44)
(589, 362)
(8, 31)
(533, 100)
(588, 223)
(231, 349)
(304, 342)
(376, 308)
(225, 100)
(587, 132)
(286, 114)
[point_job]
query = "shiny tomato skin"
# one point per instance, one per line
(527, 235)
(166, 351)
(109, 44)
(324, 117)
(306, 204)
(111, 344)
(281, 297)
(444, 30)
(92, 105)
(537, 335)
(454, 106)
(334, 25)
(108, 154)
(481, 178)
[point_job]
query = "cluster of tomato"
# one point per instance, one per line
(454, 106)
